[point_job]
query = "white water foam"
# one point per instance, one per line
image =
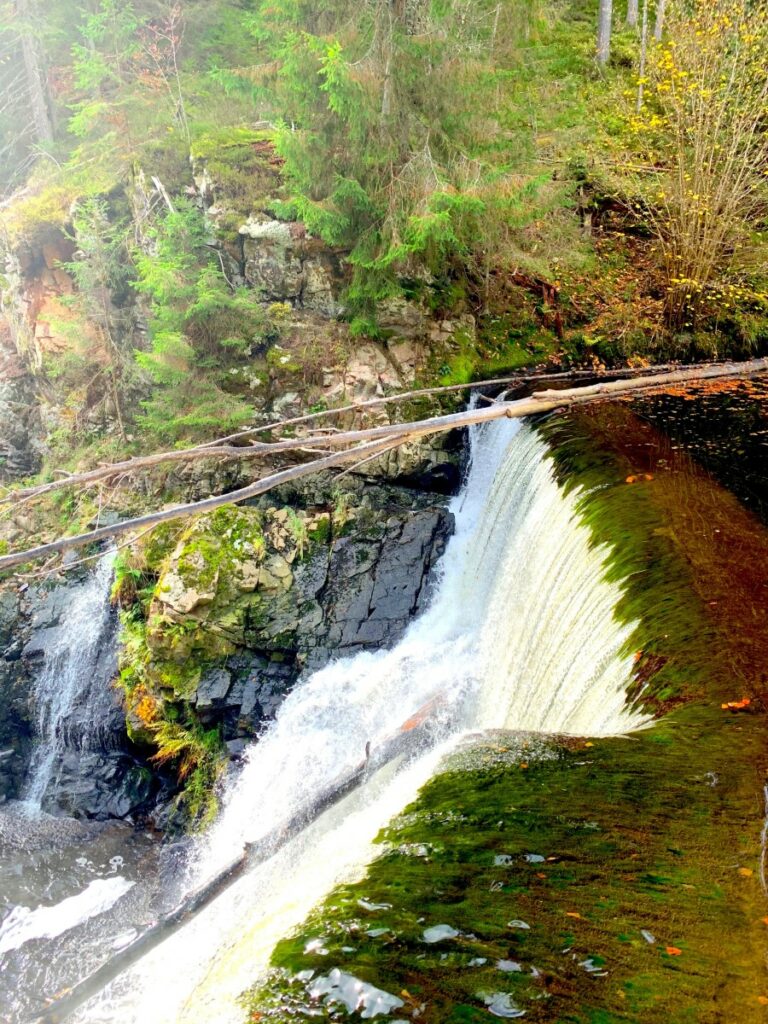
(197, 975)
(25, 923)
(520, 634)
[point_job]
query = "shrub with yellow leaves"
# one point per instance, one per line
(701, 139)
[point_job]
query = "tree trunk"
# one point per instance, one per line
(643, 57)
(38, 98)
(604, 32)
(632, 13)
(661, 6)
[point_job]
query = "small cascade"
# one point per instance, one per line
(74, 703)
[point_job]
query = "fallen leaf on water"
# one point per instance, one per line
(673, 951)
(746, 872)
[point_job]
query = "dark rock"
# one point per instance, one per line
(97, 775)
(374, 587)
(213, 687)
(100, 786)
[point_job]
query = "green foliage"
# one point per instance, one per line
(390, 128)
(202, 330)
(101, 268)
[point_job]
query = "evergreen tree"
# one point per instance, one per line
(203, 332)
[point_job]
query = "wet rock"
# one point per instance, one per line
(375, 587)
(32, 628)
(213, 687)
(256, 686)
(98, 785)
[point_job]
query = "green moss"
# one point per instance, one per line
(634, 861)
(163, 654)
(499, 348)
(320, 533)
(240, 164)
(214, 567)
(588, 845)
(662, 518)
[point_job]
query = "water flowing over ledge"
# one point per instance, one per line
(520, 634)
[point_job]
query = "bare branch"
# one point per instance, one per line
(221, 449)
(379, 439)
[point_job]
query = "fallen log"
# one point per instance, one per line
(367, 442)
(223, 448)
(404, 743)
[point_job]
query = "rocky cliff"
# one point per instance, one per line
(219, 616)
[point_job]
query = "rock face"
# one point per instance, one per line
(355, 593)
(284, 265)
(96, 773)
(15, 713)
(20, 427)
(250, 598)
(370, 587)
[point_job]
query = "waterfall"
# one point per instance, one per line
(74, 704)
(520, 634)
(549, 643)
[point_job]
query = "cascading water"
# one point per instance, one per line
(520, 634)
(74, 703)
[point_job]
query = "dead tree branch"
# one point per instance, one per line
(222, 449)
(369, 442)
